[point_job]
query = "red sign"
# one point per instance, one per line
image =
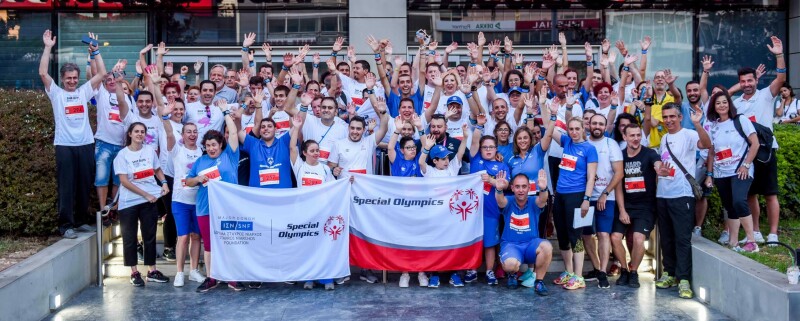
(25, 4)
(562, 24)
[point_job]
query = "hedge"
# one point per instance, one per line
(27, 167)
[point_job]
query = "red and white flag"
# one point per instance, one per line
(416, 224)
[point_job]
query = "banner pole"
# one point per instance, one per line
(385, 275)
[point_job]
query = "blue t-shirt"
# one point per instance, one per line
(477, 164)
(406, 168)
(224, 168)
(687, 119)
(270, 166)
(506, 150)
(521, 224)
(572, 175)
(529, 164)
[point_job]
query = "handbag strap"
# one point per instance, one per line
(677, 162)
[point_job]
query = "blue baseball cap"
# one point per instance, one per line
(454, 99)
(438, 151)
(517, 89)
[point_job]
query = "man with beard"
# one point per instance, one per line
(217, 75)
(664, 92)
(756, 104)
(609, 174)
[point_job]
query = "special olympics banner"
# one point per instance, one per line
(416, 224)
(276, 235)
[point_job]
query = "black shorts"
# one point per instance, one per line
(765, 177)
(642, 221)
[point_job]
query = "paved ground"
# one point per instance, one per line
(118, 300)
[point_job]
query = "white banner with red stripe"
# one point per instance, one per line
(276, 235)
(416, 224)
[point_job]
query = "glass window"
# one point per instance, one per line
(21, 38)
(733, 41)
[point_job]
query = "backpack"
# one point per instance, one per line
(765, 139)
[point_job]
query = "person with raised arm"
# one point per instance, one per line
(144, 108)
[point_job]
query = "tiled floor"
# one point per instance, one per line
(357, 300)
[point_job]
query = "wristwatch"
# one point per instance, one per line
(746, 165)
(586, 198)
(605, 193)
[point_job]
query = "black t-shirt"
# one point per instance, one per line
(640, 179)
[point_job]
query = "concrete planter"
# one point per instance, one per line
(59, 271)
(740, 287)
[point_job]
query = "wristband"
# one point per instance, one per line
(648, 101)
(709, 174)
(498, 191)
(165, 117)
(543, 190)
(589, 63)
(183, 77)
(569, 108)
(396, 133)
(96, 52)
(493, 81)
(245, 49)
(473, 122)
(426, 151)
(468, 95)
(472, 64)
(432, 52)
(268, 80)
(89, 63)
(296, 86)
(780, 70)
(284, 68)
(644, 51)
(507, 55)
(529, 116)
(303, 109)
(164, 183)
(316, 66)
(473, 88)
(518, 67)
(333, 53)
(541, 78)
(377, 56)
(252, 64)
(369, 91)
(613, 107)
(626, 68)
(553, 118)
(138, 75)
(226, 113)
(493, 56)
(586, 198)
(606, 193)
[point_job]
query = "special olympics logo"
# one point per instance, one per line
(334, 226)
(464, 202)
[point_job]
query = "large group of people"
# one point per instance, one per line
(631, 151)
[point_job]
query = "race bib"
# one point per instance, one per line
(283, 124)
(752, 118)
(568, 162)
(358, 101)
(310, 179)
(324, 154)
(74, 111)
(427, 104)
(561, 124)
(533, 190)
(212, 173)
(248, 129)
(113, 116)
(360, 171)
(269, 176)
(487, 188)
(635, 184)
(723, 154)
(520, 222)
(143, 174)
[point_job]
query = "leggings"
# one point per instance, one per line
(733, 193)
(563, 211)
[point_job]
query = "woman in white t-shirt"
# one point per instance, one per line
(138, 167)
(786, 107)
(733, 166)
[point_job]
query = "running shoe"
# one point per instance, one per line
(562, 279)
(624, 277)
(602, 281)
(698, 231)
(470, 276)
(169, 254)
(70, 234)
(308, 285)
(367, 276)
(136, 279)
(634, 279)
(591, 275)
(405, 279)
(750, 247)
(575, 282)
(527, 275)
(434, 282)
(207, 285)
(540, 289)
(512, 281)
(756, 235)
(341, 281)
(666, 281)
(530, 281)
(156, 276)
(455, 280)
(194, 275)
(772, 238)
(329, 286)
(724, 238)
(685, 290)
(422, 278)
(254, 285)
(179, 280)
(490, 278)
(236, 286)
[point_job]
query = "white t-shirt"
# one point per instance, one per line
(441, 108)
(325, 136)
(628, 88)
(71, 113)
(355, 157)
(452, 169)
(308, 175)
(139, 166)
(110, 128)
(354, 90)
(427, 96)
(791, 109)
(555, 149)
(758, 108)
(605, 112)
(393, 128)
(196, 113)
(491, 124)
(684, 145)
(283, 122)
(608, 152)
(729, 146)
(166, 158)
(247, 121)
(153, 124)
(182, 161)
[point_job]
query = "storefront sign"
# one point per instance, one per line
(562, 24)
(472, 26)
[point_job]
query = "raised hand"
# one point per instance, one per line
(562, 39)
(547, 62)
(169, 68)
(615, 98)
(500, 182)
(398, 123)
(184, 70)
(518, 59)
(629, 59)
(374, 44)
(645, 42)
(93, 47)
(481, 39)
(669, 77)
(244, 77)
(267, 49)
(144, 50)
(297, 77)
(337, 45)
(587, 48)
(508, 45)
(707, 63)
(297, 121)
(437, 80)
(553, 106)
(222, 104)
(197, 66)
(48, 39)
(249, 39)
(428, 141)
(777, 46)
(530, 72)
(481, 119)
(315, 59)
(605, 45)
(697, 115)
(452, 46)
(472, 75)
(760, 71)
(169, 107)
(450, 112)
(433, 45)
(612, 57)
(571, 98)
(369, 80)
(465, 87)
(162, 49)
(542, 95)
(351, 54)
(331, 65)
(371, 124)
(494, 47)
(288, 60)
(541, 182)
(416, 121)
(387, 47)
(121, 63)
(621, 47)
(258, 96)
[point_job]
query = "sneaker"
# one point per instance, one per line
(685, 290)
(236, 286)
(156, 276)
(254, 285)
(194, 275)
(756, 235)
(308, 285)
(179, 280)
(499, 272)
(602, 280)
(772, 238)
(614, 269)
(207, 285)
(750, 247)
(86, 228)
(666, 281)
(575, 282)
(329, 286)
(562, 278)
(471, 276)
(698, 231)
(512, 281)
(70, 234)
(290, 282)
(422, 278)
(366, 275)
(591, 275)
(490, 278)
(724, 238)
(405, 279)
(169, 254)
(455, 280)
(531, 280)
(634, 279)
(624, 277)
(341, 281)
(526, 276)
(136, 279)
(434, 282)
(140, 252)
(540, 289)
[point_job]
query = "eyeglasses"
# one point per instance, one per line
(488, 147)
(410, 147)
(502, 130)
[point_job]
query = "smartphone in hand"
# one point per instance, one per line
(87, 40)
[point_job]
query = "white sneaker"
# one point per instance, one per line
(194, 275)
(772, 238)
(724, 238)
(404, 280)
(308, 285)
(179, 279)
(756, 235)
(697, 231)
(423, 279)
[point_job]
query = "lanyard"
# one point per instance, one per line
(326, 133)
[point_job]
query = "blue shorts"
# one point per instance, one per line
(104, 154)
(524, 252)
(491, 234)
(603, 220)
(185, 218)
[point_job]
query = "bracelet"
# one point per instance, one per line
(421, 133)
(589, 63)
(377, 56)
(138, 75)
(544, 190)
(468, 95)
(605, 52)
(529, 116)
(541, 78)
(493, 56)
(553, 118)
(644, 51)
(183, 77)
(706, 72)
(164, 182)
(518, 67)
(569, 108)
(498, 191)
(472, 64)
(709, 173)
(245, 49)
(369, 91)
(493, 81)
(396, 133)
(303, 109)
(614, 107)
(426, 151)
(296, 86)
(780, 70)
(226, 113)
(96, 52)
(252, 64)
(165, 117)
(316, 66)
(267, 80)
(626, 68)
(586, 198)
(284, 68)
(432, 52)
(333, 53)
